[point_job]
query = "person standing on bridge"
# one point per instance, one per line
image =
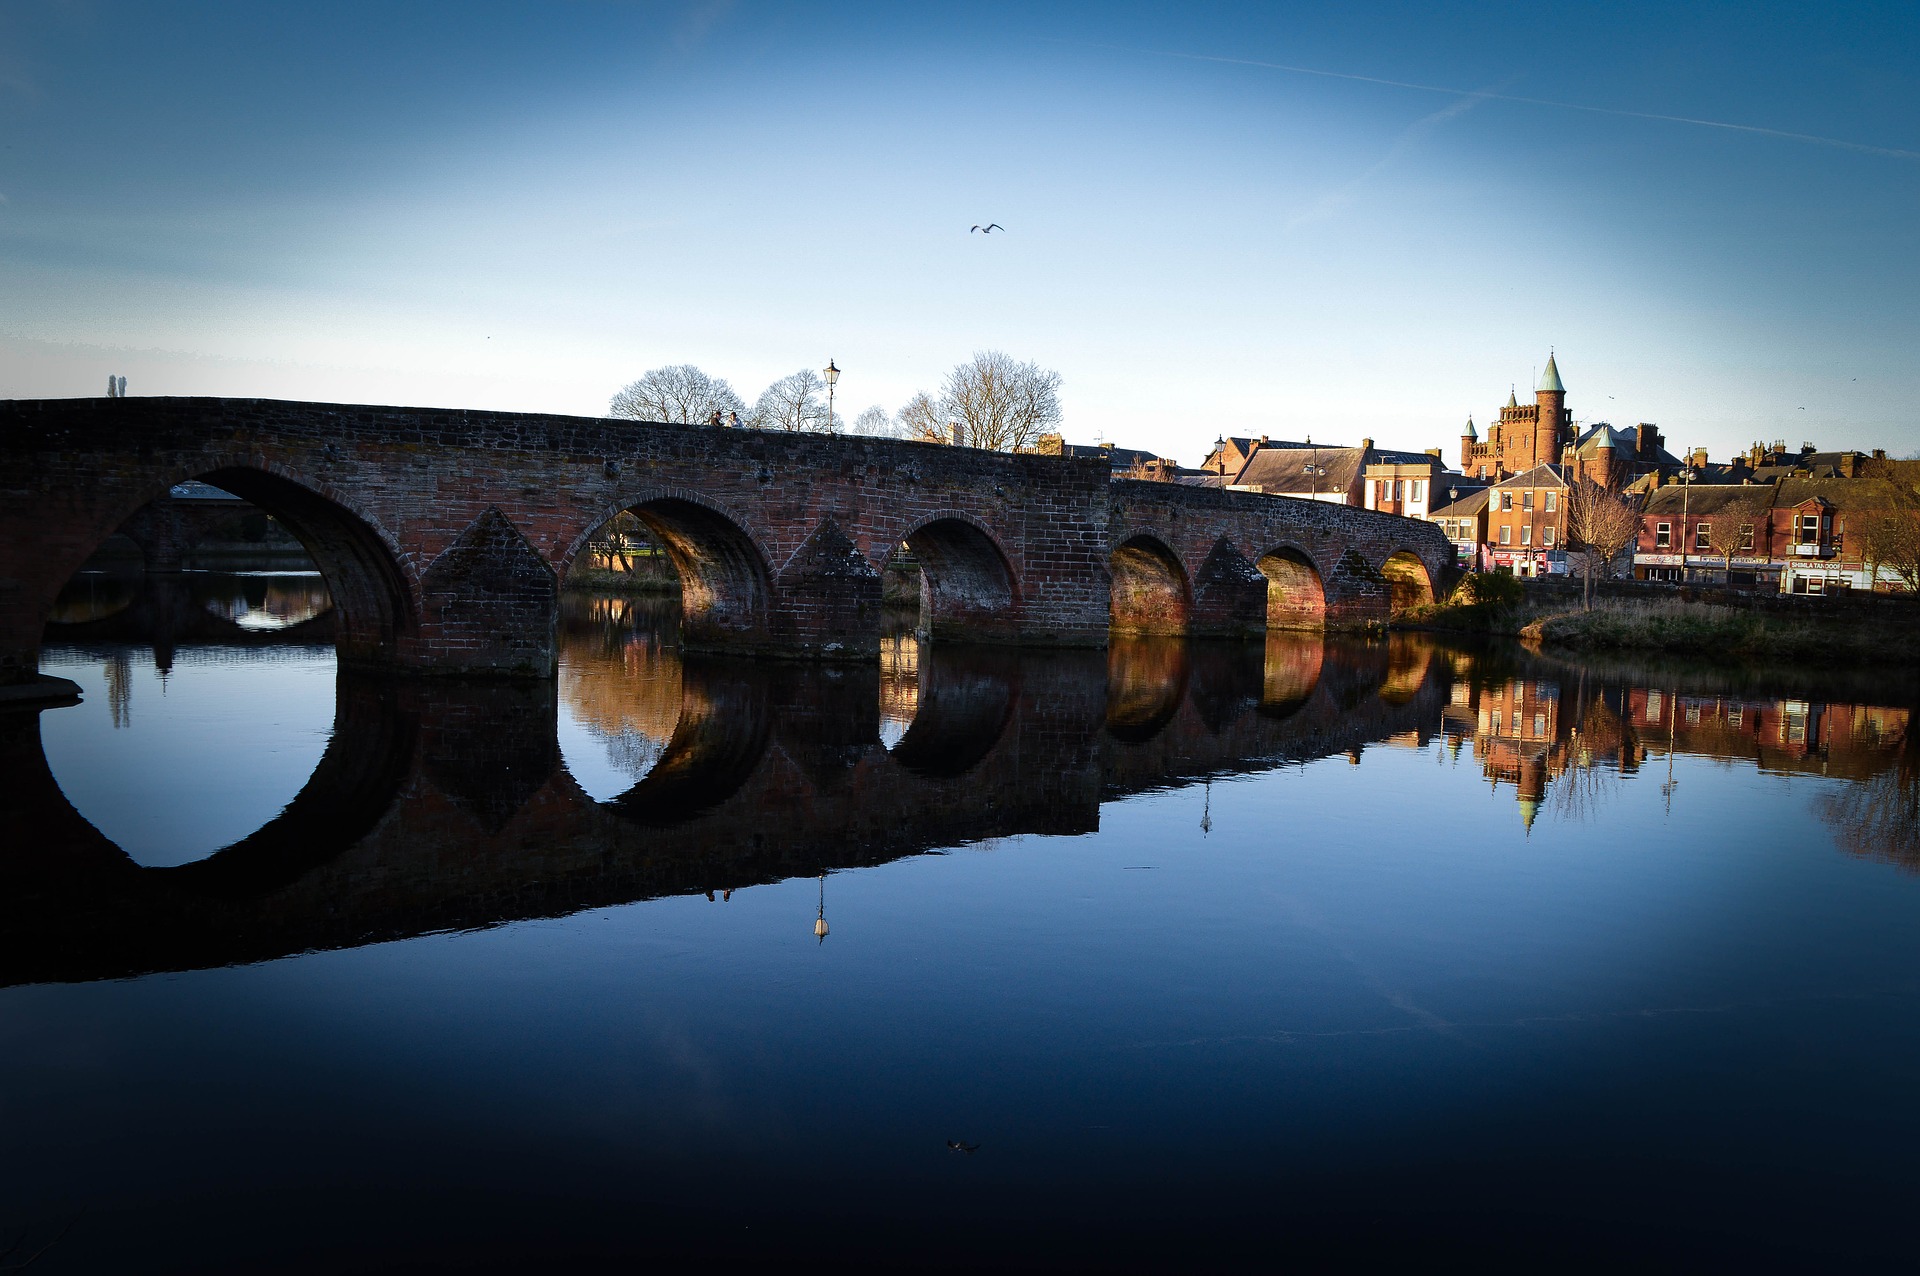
(714, 420)
(733, 420)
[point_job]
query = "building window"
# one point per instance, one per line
(1808, 529)
(1746, 538)
(1496, 722)
(1663, 535)
(1539, 725)
(1418, 484)
(1506, 502)
(1703, 536)
(1506, 533)
(1735, 716)
(1399, 489)
(1526, 534)
(1552, 503)
(1653, 706)
(1546, 535)
(1526, 500)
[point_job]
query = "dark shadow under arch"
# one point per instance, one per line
(723, 575)
(967, 589)
(372, 602)
(1151, 593)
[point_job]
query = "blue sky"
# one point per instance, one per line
(525, 207)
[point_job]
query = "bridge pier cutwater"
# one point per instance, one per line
(445, 535)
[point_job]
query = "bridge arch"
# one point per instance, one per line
(1409, 583)
(373, 600)
(968, 590)
(1151, 593)
(1296, 593)
(722, 567)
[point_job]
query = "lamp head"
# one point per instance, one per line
(832, 373)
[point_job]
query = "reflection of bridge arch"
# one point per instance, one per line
(372, 600)
(1146, 685)
(355, 783)
(1150, 592)
(718, 742)
(965, 701)
(1296, 594)
(1291, 674)
(968, 592)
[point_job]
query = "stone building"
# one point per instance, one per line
(1525, 435)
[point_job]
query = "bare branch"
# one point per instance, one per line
(681, 394)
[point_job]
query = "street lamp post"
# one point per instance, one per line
(833, 376)
(1686, 490)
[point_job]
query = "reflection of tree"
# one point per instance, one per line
(899, 686)
(119, 673)
(1878, 818)
(622, 684)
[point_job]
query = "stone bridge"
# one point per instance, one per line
(444, 804)
(444, 535)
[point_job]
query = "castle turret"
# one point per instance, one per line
(1468, 438)
(1549, 426)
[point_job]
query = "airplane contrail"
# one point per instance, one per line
(1863, 148)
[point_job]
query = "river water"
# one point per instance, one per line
(1170, 957)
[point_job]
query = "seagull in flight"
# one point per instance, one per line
(989, 228)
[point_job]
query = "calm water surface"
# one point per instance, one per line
(1211, 956)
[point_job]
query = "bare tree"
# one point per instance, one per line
(797, 402)
(1890, 543)
(992, 401)
(1735, 527)
(682, 394)
(920, 419)
(876, 422)
(1601, 522)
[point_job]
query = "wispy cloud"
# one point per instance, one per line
(1337, 199)
(1838, 143)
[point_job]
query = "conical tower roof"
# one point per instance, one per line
(1551, 381)
(1470, 432)
(1512, 400)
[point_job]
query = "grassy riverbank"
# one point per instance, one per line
(1684, 627)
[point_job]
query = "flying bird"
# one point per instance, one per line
(989, 228)
(956, 1145)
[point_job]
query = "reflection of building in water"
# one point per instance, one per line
(1847, 741)
(1526, 735)
(266, 602)
(899, 686)
(628, 694)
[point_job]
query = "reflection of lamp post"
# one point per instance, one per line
(833, 376)
(1313, 468)
(820, 919)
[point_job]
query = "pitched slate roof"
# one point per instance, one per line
(1705, 498)
(1288, 471)
(1466, 507)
